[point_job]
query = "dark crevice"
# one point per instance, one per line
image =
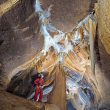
(91, 6)
(21, 83)
(96, 47)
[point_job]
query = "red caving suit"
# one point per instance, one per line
(39, 83)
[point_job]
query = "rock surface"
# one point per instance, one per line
(19, 38)
(11, 102)
(103, 51)
(20, 41)
(19, 35)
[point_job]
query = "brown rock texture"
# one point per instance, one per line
(58, 95)
(11, 102)
(66, 14)
(19, 35)
(19, 38)
(103, 50)
(103, 18)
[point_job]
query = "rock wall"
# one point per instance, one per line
(103, 50)
(103, 15)
(19, 39)
(66, 14)
(11, 102)
(58, 95)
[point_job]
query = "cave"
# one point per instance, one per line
(65, 43)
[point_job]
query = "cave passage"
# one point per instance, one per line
(63, 61)
(79, 93)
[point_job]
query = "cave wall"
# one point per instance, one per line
(19, 39)
(66, 14)
(103, 50)
(12, 102)
(103, 16)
